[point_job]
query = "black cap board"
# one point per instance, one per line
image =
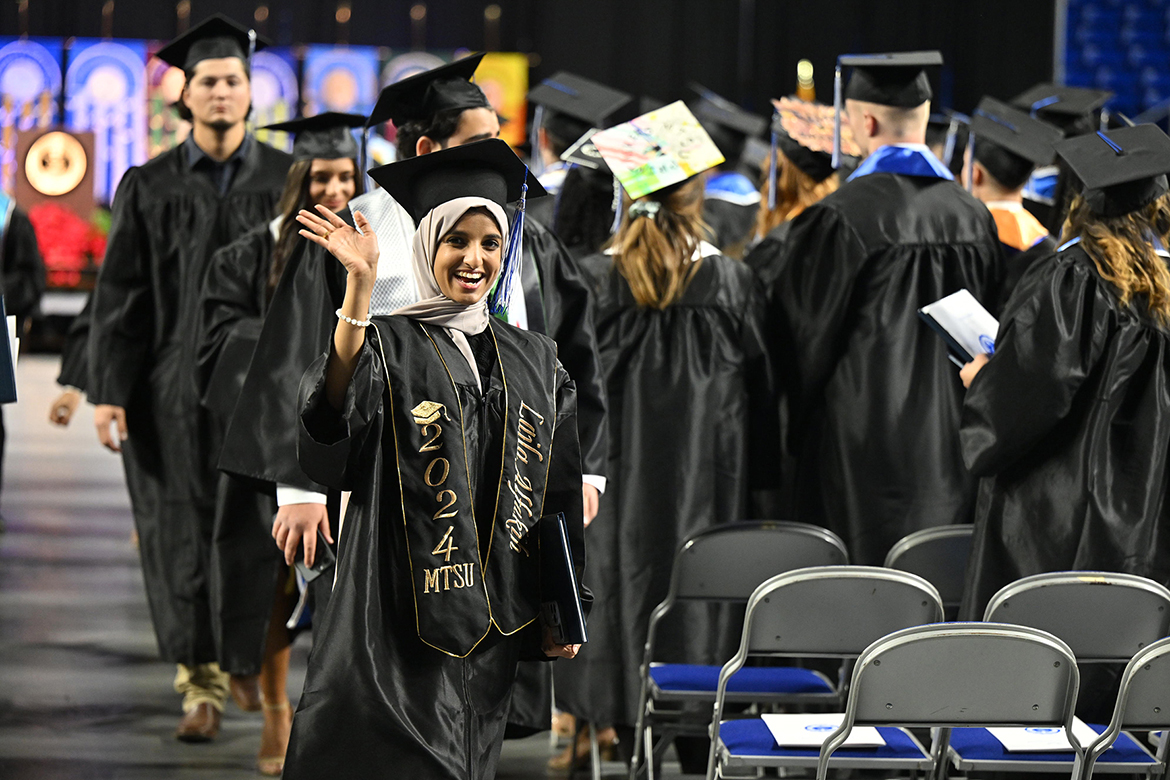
(579, 98)
(892, 79)
(1010, 143)
(422, 95)
(486, 169)
(214, 38)
(1123, 169)
(324, 136)
(1046, 99)
(728, 125)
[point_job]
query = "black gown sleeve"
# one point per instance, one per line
(74, 363)
(1044, 352)
(230, 319)
(331, 441)
(24, 270)
(810, 301)
(568, 306)
(763, 404)
(123, 310)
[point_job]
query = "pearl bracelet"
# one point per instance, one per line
(352, 321)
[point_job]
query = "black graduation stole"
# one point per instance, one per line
(463, 583)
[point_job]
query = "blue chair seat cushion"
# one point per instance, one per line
(678, 678)
(976, 744)
(751, 737)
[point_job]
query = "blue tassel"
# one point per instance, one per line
(772, 174)
(837, 116)
(617, 207)
(501, 296)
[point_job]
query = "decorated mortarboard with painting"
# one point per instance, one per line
(656, 150)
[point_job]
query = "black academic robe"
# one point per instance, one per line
(874, 401)
(692, 429)
(1017, 264)
(245, 563)
(1068, 425)
(766, 257)
(23, 268)
(74, 363)
(167, 221)
(406, 679)
(732, 224)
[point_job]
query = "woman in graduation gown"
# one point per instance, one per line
(1069, 420)
(455, 432)
(252, 595)
(800, 174)
(692, 429)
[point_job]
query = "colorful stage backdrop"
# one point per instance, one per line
(124, 96)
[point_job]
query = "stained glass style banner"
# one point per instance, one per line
(340, 78)
(105, 89)
(30, 89)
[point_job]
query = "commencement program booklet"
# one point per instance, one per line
(1040, 739)
(802, 730)
(963, 323)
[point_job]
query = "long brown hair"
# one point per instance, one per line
(1121, 249)
(795, 192)
(294, 198)
(653, 253)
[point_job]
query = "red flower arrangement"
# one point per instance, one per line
(71, 247)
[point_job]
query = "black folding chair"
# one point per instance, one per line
(726, 563)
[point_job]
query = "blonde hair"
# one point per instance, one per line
(795, 192)
(653, 252)
(1121, 249)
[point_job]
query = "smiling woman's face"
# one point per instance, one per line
(469, 257)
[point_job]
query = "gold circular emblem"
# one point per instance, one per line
(55, 164)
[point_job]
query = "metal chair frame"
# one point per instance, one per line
(971, 693)
(762, 549)
(787, 616)
(1105, 617)
(936, 544)
(1143, 703)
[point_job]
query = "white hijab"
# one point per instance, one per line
(433, 307)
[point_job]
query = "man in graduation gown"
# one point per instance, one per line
(874, 401)
(437, 109)
(1008, 146)
(169, 216)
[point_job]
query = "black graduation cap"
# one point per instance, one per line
(1123, 169)
(214, 38)
(728, 125)
(423, 94)
(893, 79)
(486, 169)
(1062, 106)
(324, 136)
(1010, 143)
(589, 103)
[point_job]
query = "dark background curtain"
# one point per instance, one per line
(746, 50)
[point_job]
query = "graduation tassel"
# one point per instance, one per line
(952, 136)
(537, 159)
(364, 158)
(251, 47)
(772, 163)
(617, 206)
(837, 116)
(501, 296)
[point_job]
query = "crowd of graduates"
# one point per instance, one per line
(390, 386)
